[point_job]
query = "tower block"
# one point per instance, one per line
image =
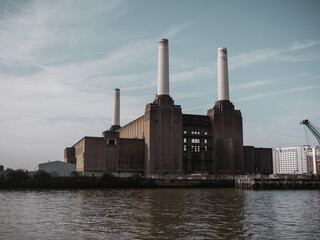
(163, 133)
(163, 124)
(226, 126)
(227, 138)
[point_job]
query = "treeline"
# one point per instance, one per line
(42, 179)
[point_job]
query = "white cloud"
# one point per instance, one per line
(302, 45)
(259, 83)
(190, 75)
(246, 59)
(259, 55)
(268, 94)
(175, 29)
(40, 25)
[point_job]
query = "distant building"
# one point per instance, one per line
(313, 159)
(58, 168)
(1, 170)
(296, 160)
(257, 160)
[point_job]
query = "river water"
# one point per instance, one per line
(159, 214)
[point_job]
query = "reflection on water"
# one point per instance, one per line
(159, 214)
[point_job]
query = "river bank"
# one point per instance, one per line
(21, 179)
(283, 183)
(94, 182)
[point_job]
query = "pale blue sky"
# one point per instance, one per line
(61, 60)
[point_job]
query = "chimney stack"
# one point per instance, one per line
(163, 67)
(223, 82)
(116, 110)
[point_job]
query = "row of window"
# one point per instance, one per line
(131, 156)
(125, 162)
(195, 140)
(195, 148)
(195, 132)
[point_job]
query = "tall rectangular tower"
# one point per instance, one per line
(226, 122)
(163, 124)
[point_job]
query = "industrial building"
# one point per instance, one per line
(58, 168)
(296, 160)
(164, 141)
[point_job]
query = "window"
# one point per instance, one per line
(111, 141)
(195, 148)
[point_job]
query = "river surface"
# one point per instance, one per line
(159, 214)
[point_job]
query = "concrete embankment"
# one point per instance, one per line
(195, 183)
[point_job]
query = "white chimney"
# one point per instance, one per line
(223, 82)
(163, 67)
(116, 107)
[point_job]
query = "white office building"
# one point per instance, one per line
(296, 160)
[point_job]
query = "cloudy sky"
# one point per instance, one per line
(61, 60)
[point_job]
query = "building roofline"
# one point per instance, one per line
(84, 139)
(129, 123)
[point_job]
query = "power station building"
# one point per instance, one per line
(166, 141)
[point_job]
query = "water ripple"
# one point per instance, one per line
(159, 214)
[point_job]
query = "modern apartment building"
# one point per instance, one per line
(296, 160)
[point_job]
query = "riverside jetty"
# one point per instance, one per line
(282, 182)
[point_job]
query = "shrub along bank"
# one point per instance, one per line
(41, 179)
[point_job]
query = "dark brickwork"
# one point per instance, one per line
(257, 160)
(227, 139)
(248, 160)
(165, 141)
(163, 136)
(69, 155)
(196, 144)
(263, 160)
(131, 155)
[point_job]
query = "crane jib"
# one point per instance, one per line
(312, 129)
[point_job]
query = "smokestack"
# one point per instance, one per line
(223, 81)
(163, 67)
(116, 107)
